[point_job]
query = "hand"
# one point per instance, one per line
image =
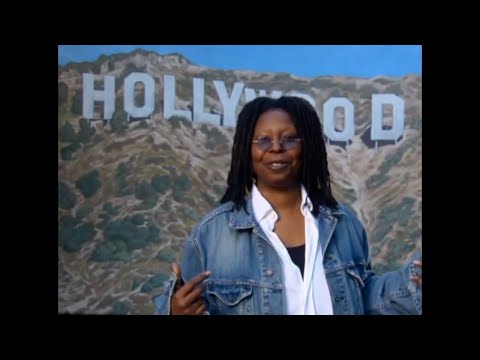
(186, 299)
(417, 279)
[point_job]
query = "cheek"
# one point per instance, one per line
(299, 160)
(256, 155)
(298, 156)
(255, 160)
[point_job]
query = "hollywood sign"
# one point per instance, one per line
(230, 102)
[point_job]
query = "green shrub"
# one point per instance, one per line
(161, 183)
(214, 137)
(119, 121)
(66, 197)
(175, 121)
(154, 234)
(143, 125)
(119, 230)
(166, 205)
(155, 160)
(390, 161)
(67, 152)
(138, 219)
(398, 213)
(109, 209)
(148, 204)
(153, 282)
(121, 308)
(322, 83)
(383, 81)
(89, 183)
(62, 93)
(77, 102)
(67, 133)
(68, 221)
(66, 228)
(165, 146)
(142, 233)
(179, 196)
(121, 182)
(167, 255)
(182, 183)
(84, 211)
(77, 237)
(120, 179)
(122, 169)
(394, 89)
(144, 190)
(86, 131)
(125, 191)
(366, 91)
(105, 251)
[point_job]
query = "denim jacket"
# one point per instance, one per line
(246, 271)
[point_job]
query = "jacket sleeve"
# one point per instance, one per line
(162, 301)
(190, 266)
(391, 293)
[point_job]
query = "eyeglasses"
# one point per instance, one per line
(287, 142)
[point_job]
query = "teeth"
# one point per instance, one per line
(277, 165)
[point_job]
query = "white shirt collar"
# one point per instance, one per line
(263, 207)
(305, 201)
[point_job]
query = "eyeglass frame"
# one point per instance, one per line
(294, 141)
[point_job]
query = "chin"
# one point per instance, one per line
(281, 183)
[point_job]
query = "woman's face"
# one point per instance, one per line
(276, 166)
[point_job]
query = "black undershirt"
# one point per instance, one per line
(297, 254)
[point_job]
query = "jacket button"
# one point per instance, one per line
(269, 272)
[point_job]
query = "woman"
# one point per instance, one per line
(280, 243)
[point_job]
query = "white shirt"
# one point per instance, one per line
(303, 296)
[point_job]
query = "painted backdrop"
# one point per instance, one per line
(144, 145)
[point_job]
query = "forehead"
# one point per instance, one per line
(274, 120)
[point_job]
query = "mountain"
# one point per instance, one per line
(131, 191)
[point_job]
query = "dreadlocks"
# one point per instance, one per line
(315, 176)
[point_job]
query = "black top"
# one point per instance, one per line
(297, 254)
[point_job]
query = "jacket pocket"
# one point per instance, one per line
(230, 299)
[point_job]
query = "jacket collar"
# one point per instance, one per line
(240, 219)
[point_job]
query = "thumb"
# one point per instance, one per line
(176, 269)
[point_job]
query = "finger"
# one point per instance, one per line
(176, 269)
(417, 263)
(186, 300)
(192, 309)
(201, 309)
(417, 280)
(190, 284)
(194, 295)
(179, 306)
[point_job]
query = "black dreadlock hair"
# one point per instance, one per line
(314, 176)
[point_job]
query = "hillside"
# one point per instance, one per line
(130, 192)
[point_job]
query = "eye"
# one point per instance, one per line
(263, 140)
(290, 139)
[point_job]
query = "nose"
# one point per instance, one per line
(276, 146)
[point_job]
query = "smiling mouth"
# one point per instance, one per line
(277, 165)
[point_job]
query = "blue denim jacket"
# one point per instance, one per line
(246, 271)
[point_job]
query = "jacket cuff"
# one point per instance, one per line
(413, 288)
(162, 301)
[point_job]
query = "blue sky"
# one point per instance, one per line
(301, 60)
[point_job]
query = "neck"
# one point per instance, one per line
(282, 198)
